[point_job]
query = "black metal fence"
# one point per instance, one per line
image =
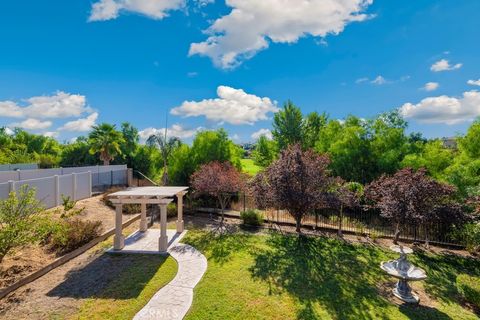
(360, 222)
(102, 181)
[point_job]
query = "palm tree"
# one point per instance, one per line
(106, 140)
(166, 146)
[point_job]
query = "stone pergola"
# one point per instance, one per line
(161, 196)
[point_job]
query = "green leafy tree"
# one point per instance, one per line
(105, 140)
(265, 152)
(17, 217)
(288, 125)
(349, 149)
(389, 144)
(129, 147)
(207, 146)
(313, 124)
(464, 173)
(433, 157)
(78, 154)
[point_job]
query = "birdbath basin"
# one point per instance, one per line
(404, 271)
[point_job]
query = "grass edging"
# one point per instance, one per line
(63, 259)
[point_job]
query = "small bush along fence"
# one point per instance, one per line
(361, 222)
(251, 217)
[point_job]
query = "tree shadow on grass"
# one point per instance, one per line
(422, 312)
(218, 246)
(442, 271)
(339, 276)
(114, 276)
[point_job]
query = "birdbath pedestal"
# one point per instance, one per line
(404, 271)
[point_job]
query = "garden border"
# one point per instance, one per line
(63, 259)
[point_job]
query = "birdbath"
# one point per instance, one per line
(404, 271)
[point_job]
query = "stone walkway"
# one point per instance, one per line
(173, 300)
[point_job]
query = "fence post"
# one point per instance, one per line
(56, 187)
(11, 186)
(111, 178)
(130, 177)
(90, 182)
(74, 186)
(244, 202)
(19, 176)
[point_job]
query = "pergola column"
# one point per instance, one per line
(180, 224)
(143, 217)
(163, 240)
(118, 238)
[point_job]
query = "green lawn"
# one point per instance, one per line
(290, 277)
(140, 278)
(249, 167)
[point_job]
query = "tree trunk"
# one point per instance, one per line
(165, 173)
(106, 162)
(340, 223)
(427, 244)
(222, 209)
(397, 233)
(298, 224)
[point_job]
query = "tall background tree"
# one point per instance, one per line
(105, 140)
(265, 152)
(288, 125)
(298, 182)
(207, 146)
(166, 145)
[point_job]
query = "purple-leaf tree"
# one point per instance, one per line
(411, 196)
(219, 180)
(298, 182)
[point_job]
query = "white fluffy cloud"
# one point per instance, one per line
(379, 80)
(80, 125)
(444, 109)
(252, 24)
(59, 105)
(262, 132)
(51, 134)
(431, 86)
(175, 130)
(444, 65)
(155, 9)
(474, 82)
(32, 124)
(233, 106)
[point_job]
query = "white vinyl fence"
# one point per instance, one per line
(18, 166)
(100, 173)
(76, 182)
(49, 190)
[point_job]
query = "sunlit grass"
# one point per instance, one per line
(290, 277)
(131, 289)
(249, 167)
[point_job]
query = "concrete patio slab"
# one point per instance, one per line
(147, 242)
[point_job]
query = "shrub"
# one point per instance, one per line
(72, 234)
(171, 210)
(17, 214)
(251, 217)
(469, 236)
(67, 203)
(469, 288)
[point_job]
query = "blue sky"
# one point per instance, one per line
(65, 65)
